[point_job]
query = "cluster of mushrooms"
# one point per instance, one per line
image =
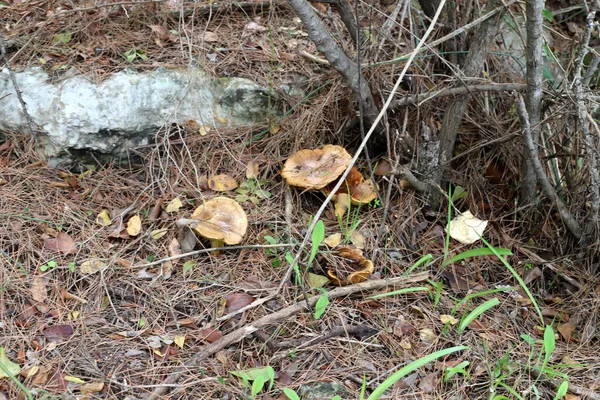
(223, 221)
(319, 169)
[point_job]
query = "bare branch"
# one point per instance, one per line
(273, 318)
(457, 91)
(534, 158)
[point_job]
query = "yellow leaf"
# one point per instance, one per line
(74, 379)
(341, 204)
(174, 205)
(448, 319)
(203, 130)
(275, 129)
(103, 218)
(333, 240)
(158, 353)
(32, 371)
(134, 225)
(92, 387)
(179, 341)
(158, 233)
(222, 183)
(220, 119)
(91, 266)
(358, 239)
(74, 315)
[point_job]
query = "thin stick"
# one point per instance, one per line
(273, 318)
(192, 253)
(457, 91)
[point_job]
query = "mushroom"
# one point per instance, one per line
(351, 267)
(221, 220)
(315, 169)
(355, 190)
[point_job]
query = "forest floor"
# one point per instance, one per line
(96, 303)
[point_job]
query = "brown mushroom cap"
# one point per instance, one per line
(221, 218)
(361, 191)
(315, 169)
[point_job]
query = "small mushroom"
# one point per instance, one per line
(355, 190)
(352, 267)
(221, 220)
(315, 169)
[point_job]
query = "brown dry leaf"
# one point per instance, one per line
(275, 129)
(58, 333)
(39, 291)
(3, 181)
(89, 267)
(174, 205)
(566, 330)
(252, 170)
(570, 396)
(210, 37)
(134, 225)
(235, 301)
(427, 335)
(209, 334)
(333, 240)
(63, 243)
(222, 183)
(91, 387)
(383, 168)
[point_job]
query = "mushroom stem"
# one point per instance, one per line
(217, 243)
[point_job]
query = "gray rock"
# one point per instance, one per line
(323, 391)
(75, 116)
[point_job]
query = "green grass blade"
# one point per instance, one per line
(426, 259)
(477, 253)
(396, 376)
(472, 316)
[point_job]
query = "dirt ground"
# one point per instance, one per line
(98, 304)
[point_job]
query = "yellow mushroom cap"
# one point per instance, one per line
(363, 193)
(315, 169)
(221, 218)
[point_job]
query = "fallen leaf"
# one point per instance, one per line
(174, 205)
(317, 281)
(39, 291)
(210, 37)
(235, 301)
(134, 225)
(341, 204)
(158, 233)
(210, 334)
(466, 228)
(448, 319)
(10, 367)
(91, 266)
(74, 379)
(103, 218)
(358, 239)
(63, 243)
(275, 129)
(383, 168)
(204, 130)
(333, 240)
(58, 333)
(91, 387)
(252, 170)
(566, 330)
(253, 26)
(222, 183)
(179, 341)
(427, 335)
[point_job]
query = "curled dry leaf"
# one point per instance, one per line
(134, 225)
(349, 267)
(222, 183)
(209, 334)
(466, 228)
(333, 240)
(58, 333)
(63, 243)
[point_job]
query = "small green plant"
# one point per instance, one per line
(473, 315)
(276, 261)
(457, 369)
(132, 54)
(259, 377)
(252, 190)
(322, 304)
(49, 265)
